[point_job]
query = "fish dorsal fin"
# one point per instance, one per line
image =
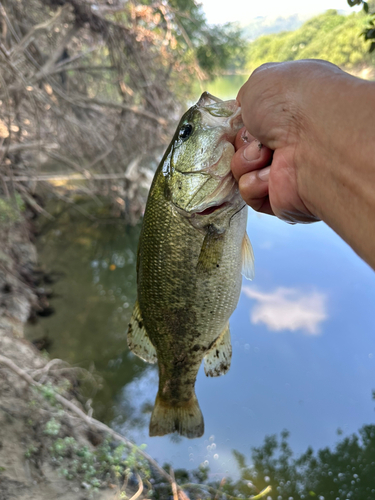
(138, 340)
(218, 358)
(247, 258)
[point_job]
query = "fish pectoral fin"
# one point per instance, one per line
(247, 258)
(211, 251)
(218, 358)
(138, 340)
(185, 418)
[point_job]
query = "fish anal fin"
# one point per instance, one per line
(218, 358)
(138, 340)
(247, 258)
(185, 418)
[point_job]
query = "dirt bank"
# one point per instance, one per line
(48, 449)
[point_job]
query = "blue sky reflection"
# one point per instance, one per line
(303, 338)
(288, 309)
(307, 281)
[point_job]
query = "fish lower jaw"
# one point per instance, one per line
(212, 209)
(230, 200)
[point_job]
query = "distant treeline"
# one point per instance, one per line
(330, 36)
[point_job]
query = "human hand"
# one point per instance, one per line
(281, 106)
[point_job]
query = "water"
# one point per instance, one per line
(303, 340)
(225, 87)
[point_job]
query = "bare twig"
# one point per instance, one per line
(76, 207)
(127, 107)
(262, 494)
(66, 177)
(174, 485)
(70, 163)
(22, 146)
(27, 39)
(140, 489)
(91, 422)
(222, 482)
(56, 54)
(30, 200)
(45, 370)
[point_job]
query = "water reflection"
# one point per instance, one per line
(93, 304)
(344, 473)
(309, 384)
(288, 309)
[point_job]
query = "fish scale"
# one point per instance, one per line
(189, 265)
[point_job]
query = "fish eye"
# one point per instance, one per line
(185, 131)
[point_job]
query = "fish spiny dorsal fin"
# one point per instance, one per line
(218, 358)
(138, 340)
(247, 258)
(185, 418)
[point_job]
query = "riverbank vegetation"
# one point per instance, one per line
(95, 88)
(90, 92)
(330, 36)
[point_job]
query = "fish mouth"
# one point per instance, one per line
(225, 197)
(212, 209)
(222, 196)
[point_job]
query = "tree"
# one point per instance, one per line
(368, 8)
(330, 36)
(97, 86)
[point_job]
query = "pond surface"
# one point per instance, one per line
(303, 338)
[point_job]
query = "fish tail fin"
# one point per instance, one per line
(185, 418)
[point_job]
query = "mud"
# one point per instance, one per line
(30, 423)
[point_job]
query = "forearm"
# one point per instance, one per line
(336, 163)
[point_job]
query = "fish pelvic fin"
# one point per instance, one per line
(218, 358)
(185, 418)
(247, 258)
(138, 340)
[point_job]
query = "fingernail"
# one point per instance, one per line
(264, 173)
(252, 151)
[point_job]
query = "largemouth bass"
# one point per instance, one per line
(192, 249)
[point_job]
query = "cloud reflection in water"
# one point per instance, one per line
(288, 309)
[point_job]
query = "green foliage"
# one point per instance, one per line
(106, 463)
(222, 49)
(11, 209)
(345, 472)
(31, 450)
(48, 391)
(330, 36)
(52, 427)
(368, 8)
(215, 47)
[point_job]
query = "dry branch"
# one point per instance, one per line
(91, 422)
(85, 84)
(27, 39)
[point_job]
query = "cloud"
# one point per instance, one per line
(288, 309)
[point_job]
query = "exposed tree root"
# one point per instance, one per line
(92, 423)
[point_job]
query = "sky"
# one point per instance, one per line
(244, 11)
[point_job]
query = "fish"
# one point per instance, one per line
(192, 250)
